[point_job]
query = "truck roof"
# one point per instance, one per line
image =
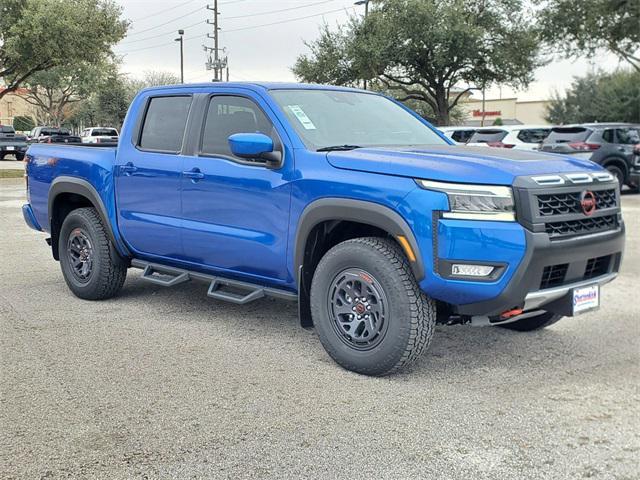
(260, 86)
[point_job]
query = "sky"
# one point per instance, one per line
(263, 38)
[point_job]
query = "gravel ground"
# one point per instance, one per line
(165, 383)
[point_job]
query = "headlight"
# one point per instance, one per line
(475, 202)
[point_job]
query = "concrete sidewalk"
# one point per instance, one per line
(9, 163)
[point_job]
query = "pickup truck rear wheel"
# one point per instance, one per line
(369, 312)
(90, 264)
(533, 323)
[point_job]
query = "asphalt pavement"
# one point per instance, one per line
(166, 383)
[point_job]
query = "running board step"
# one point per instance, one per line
(164, 278)
(220, 288)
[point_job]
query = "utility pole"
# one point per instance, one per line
(179, 39)
(216, 64)
(366, 12)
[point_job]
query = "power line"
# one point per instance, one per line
(199, 22)
(186, 39)
(163, 11)
(244, 28)
(285, 21)
(279, 11)
(166, 23)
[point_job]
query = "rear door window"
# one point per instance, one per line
(164, 124)
(567, 135)
(488, 136)
(533, 135)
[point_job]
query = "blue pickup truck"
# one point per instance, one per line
(340, 199)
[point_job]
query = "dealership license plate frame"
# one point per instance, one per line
(585, 299)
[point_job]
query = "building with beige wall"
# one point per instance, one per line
(509, 110)
(14, 105)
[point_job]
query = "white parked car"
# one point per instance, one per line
(521, 137)
(99, 135)
(460, 135)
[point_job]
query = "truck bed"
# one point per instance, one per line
(48, 162)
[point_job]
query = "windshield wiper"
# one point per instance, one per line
(338, 148)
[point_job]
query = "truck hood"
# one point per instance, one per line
(453, 163)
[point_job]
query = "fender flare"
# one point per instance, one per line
(359, 211)
(79, 186)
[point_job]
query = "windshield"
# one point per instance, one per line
(327, 118)
(6, 129)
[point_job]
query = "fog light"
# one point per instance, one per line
(464, 270)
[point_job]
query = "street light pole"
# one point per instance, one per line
(179, 39)
(366, 12)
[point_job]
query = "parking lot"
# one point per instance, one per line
(166, 383)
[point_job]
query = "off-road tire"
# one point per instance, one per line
(108, 271)
(411, 315)
(533, 323)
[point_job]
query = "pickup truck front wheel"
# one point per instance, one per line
(369, 312)
(90, 265)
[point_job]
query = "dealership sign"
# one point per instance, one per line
(494, 113)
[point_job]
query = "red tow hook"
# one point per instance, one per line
(510, 313)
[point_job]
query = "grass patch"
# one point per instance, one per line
(11, 173)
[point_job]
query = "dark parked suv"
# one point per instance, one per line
(608, 144)
(11, 143)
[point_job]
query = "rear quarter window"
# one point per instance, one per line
(164, 124)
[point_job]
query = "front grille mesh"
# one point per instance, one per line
(553, 275)
(597, 266)
(550, 204)
(581, 226)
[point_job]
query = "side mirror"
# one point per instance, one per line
(253, 145)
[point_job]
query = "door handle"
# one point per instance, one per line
(194, 174)
(128, 169)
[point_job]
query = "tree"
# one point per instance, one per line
(55, 91)
(600, 97)
(423, 50)
(23, 123)
(111, 95)
(577, 29)
(38, 35)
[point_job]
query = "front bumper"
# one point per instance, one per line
(574, 257)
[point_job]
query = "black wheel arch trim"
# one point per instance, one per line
(359, 211)
(79, 186)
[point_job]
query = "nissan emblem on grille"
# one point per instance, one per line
(588, 202)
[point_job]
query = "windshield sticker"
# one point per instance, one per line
(302, 117)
